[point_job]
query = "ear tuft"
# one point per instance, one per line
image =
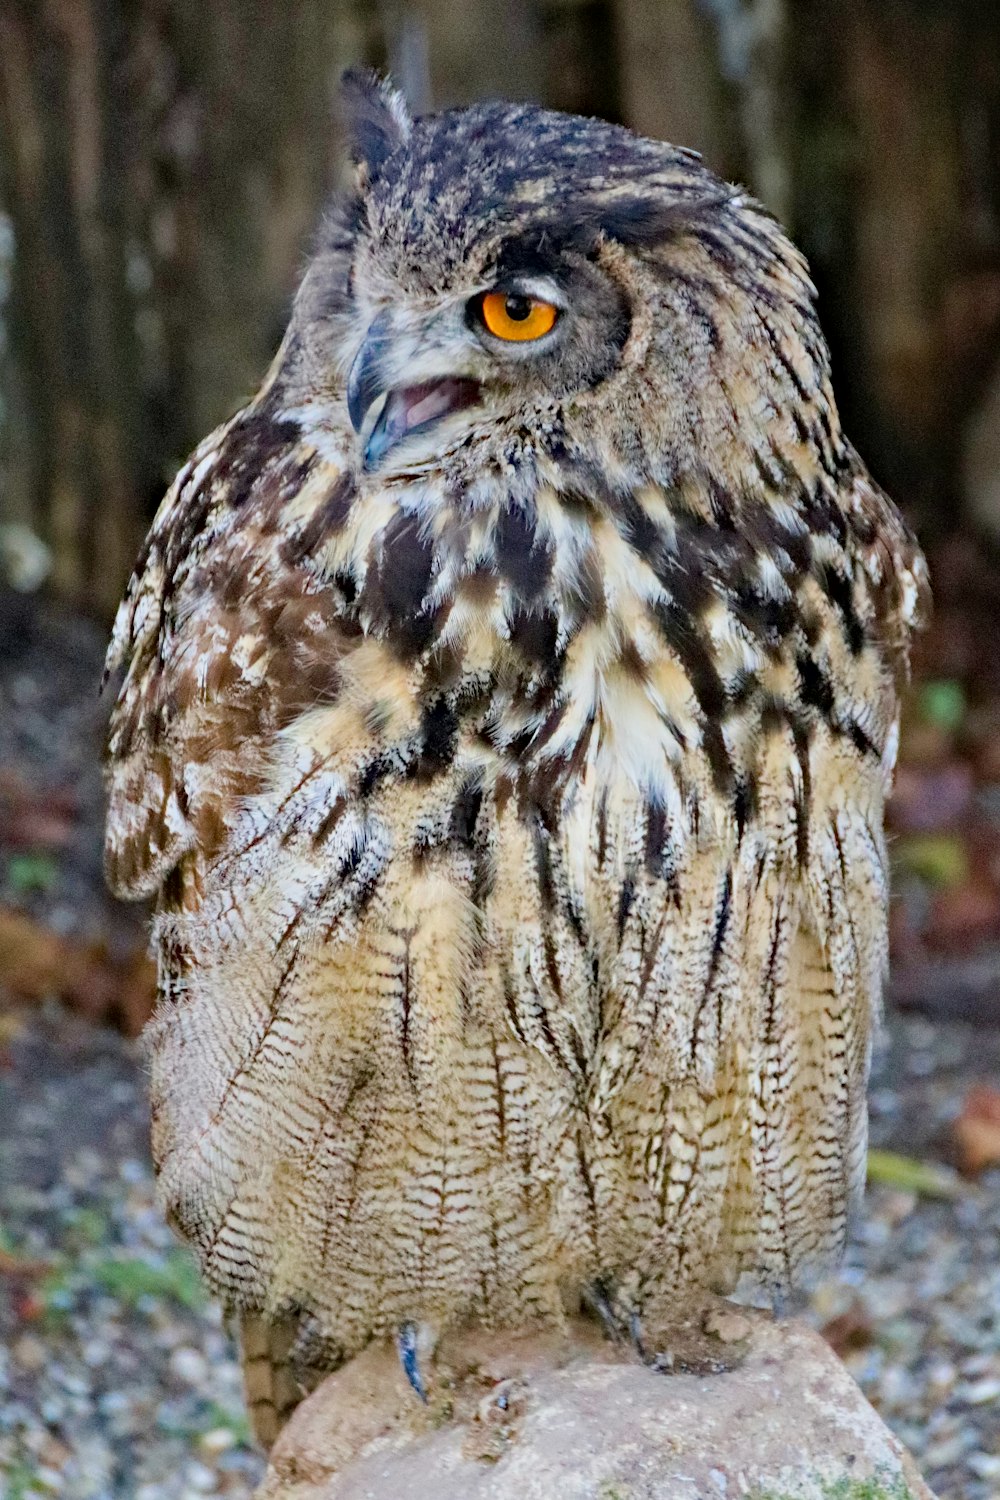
(376, 117)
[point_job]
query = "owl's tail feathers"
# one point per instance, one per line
(272, 1391)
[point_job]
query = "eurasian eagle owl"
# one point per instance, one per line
(510, 699)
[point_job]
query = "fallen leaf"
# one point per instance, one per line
(929, 1178)
(967, 914)
(940, 859)
(851, 1330)
(976, 1131)
(32, 957)
(923, 744)
(36, 963)
(34, 818)
(19, 1266)
(34, 871)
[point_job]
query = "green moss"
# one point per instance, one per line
(131, 1279)
(136, 1282)
(23, 1482)
(31, 872)
(943, 703)
(879, 1487)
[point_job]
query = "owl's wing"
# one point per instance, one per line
(226, 637)
(223, 636)
(752, 917)
(818, 924)
(268, 753)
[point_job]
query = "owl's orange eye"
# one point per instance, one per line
(516, 318)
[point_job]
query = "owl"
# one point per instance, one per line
(510, 698)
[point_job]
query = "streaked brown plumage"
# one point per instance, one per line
(511, 788)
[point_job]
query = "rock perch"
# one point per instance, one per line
(536, 1418)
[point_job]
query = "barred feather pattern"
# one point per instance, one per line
(517, 843)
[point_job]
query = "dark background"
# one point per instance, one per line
(162, 164)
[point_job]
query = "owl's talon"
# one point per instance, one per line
(598, 1298)
(635, 1333)
(406, 1347)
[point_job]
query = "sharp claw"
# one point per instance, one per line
(597, 1295)
(635, 1333)
(406, 1346)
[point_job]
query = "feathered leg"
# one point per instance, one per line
(272, 1391)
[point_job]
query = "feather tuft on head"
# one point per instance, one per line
(376, 117)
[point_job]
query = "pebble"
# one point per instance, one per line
(200, 1478)
(84, 1385)
(729, 1327)
(941, 1376)
(978, 1392)
(217, 1440)
(984, 1465)
(923, 1274)
(95, 1353)
(944, 1454)
(30, 1353)
(53, 1410)
(188, 1365)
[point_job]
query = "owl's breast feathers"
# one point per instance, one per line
(598, 772)
(664, 639)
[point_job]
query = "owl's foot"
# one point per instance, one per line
(406, 1347)
(705, 1339)
(710, 1343)
(598, 1298)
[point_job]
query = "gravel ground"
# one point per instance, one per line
(921, 1280)
(51, 736)
(116, 1376)
(120, 1381)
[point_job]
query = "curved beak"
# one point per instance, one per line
(367, 380)
(408, 409)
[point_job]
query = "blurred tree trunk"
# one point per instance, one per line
(898, 205)
(767, 95)
(582, 70)
(672, 84)
(162, 162)
(482, 51)
(247, 157)
(71, 137)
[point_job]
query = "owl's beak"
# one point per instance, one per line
(407, 409)
(367, 380)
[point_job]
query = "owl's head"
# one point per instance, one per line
(507, 287)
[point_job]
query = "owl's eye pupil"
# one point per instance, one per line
(517, 308)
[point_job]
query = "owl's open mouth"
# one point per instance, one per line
(415, 407)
